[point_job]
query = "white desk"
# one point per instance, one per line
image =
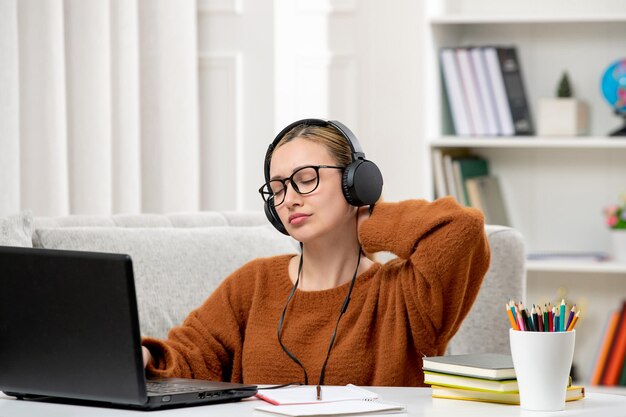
(417, 400)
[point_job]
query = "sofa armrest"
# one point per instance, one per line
(486, 327)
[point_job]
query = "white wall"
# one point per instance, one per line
(116, 81)
(236, 50)
(355, 61)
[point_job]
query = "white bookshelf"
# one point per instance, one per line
(554, 188)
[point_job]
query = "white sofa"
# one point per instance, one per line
(179, 259)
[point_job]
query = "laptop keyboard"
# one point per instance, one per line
(161, 387)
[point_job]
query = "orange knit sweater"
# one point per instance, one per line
(399, 311)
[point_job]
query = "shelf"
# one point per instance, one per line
(523, 19)
(576, 266)
(586, 142)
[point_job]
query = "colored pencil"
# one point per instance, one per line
(513, 308)
(539, 319)
(535, 319)
(520, 320)
(573, 323)
(527, 321)
(509, 313)
(546, 323)
(557, 321)
(570, 317)
(562, 316)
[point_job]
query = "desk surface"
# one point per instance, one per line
(417, 400)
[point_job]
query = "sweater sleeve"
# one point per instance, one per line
(444, 255)
(209, 343)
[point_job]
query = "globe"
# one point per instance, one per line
(613, 87)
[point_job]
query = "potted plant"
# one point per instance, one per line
(563, 115)
(615, 218)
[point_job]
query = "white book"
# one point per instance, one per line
(441, 188)
(486, 92)
(455, 94)
(470, 87)
(505, 118)
(450, 177)
(458, 183)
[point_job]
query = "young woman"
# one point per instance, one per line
(331, 315)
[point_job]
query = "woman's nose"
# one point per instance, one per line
(291, 195)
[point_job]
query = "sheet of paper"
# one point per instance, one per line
(305, 394)
(355, 407)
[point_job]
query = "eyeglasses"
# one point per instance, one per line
(304, 180)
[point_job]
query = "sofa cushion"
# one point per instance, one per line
(16, 230)
(175, 269)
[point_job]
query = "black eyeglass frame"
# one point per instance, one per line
(268, 196)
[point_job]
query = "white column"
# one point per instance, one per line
(88, 60)
(9, 110)
(125, 106)
(169, 109)
(43, 129)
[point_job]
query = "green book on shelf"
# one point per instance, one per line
(478, 365)
(466, 167)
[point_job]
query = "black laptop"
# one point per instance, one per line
(69, 329)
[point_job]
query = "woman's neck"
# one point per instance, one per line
(329, 263)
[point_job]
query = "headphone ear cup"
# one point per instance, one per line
(362, 183)
(272, 216)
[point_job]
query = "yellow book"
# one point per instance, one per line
(573, 393)
(465, 382)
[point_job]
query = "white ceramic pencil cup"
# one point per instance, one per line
(542, 362)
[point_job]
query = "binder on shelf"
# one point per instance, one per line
(485, 194)
(485, 90)
(454, 92)
(516, 94)
(476, 111)
(503, 112)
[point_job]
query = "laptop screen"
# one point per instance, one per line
(69, 325)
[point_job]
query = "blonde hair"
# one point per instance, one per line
(327, 136)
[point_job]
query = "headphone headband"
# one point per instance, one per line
(353, 142)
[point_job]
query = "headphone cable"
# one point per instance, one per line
(344, 307)
(282, 317)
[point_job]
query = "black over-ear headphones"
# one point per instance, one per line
(362, 182)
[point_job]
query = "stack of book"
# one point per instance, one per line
(466, 177)
(610, 364)
(485, 91)
(486, 377)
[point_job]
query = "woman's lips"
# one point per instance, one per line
(298, 218)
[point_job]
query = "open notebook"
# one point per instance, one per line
(301, 401)
(354, 407)
(307, 394)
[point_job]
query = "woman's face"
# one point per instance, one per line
(323, 211)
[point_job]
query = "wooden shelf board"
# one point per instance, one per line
(459, 19)
(604, 267)
(583, 142)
